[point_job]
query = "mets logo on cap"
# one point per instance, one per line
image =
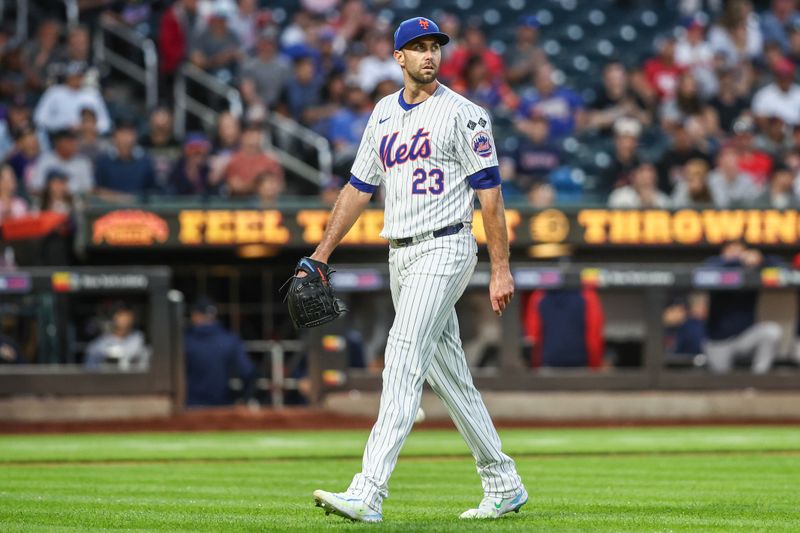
(482, 144)
(417, 27)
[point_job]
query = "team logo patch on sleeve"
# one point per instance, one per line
(482, 144)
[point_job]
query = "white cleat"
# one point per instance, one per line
(346, 505)
(493, 507)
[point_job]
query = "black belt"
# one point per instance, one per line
(406, 241)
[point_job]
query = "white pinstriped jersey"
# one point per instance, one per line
(423, 156)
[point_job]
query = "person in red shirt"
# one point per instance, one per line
(474, 44)
(566, 328)
(174, 34)
(661, 72)
(753, 162)
(248, 162)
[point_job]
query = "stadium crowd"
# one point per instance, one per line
(710, 118)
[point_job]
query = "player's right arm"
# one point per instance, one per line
(354, 197)
(349, 206)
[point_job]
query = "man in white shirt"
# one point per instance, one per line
(379, 65)
(60, 106)
(642, 192)
(65, 158)
(693, 52)
(781, 98)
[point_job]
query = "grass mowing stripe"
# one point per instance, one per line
(349, 444)
(454, 457)
(602, 493)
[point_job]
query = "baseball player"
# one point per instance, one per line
(433, 151)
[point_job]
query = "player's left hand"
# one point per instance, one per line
(501, 289)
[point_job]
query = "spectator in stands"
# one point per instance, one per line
(244, 23)
(40, 54)
(11, 205)
(354, 21)
(687, 104)
(731, 326)
(127, 171)
(329, 61)
(479, 88)
(563, 107)
(566, 328)
(226, 142)
(751, 161)
(642, 193)
(777, 23)
(177, 31)
(10, 353)
(693, 190)
(625, 158)
(383, 89)
(661, 72)
(17, 118)
(295, 34)
(161, 145)
(192, 173)
(56, 197)
(615, 99)
(534, 158)
(65, 157)
(686, 143)
(79, 49)
(269, 187)
(473, 44)
(684, 325)
(303, 91)
(61, 105)
(780, 191)
(525, 56)
(347, 126)
(266, 74)
(380, 64)
(214, 357)
(23, 157)
(542, 195)
(217, 50)
(737, 36)
(693, 53)
(730, 101)
(772, 139)
(730, 187)
(781, 98)
(248, 162)
(122, 347)
(229, 133)
(90, 143)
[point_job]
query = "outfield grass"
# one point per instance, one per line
(653, 479)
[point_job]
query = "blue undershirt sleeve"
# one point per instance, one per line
(485, 178)
(362, 186)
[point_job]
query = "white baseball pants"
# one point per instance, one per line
(427, 279)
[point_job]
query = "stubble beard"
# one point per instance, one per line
(424, 79)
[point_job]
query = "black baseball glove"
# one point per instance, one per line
(311, 299)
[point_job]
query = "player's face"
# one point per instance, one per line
(421, 59)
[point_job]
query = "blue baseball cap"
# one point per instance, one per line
(411, 29)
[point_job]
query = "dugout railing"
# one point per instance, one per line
(654, 282)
